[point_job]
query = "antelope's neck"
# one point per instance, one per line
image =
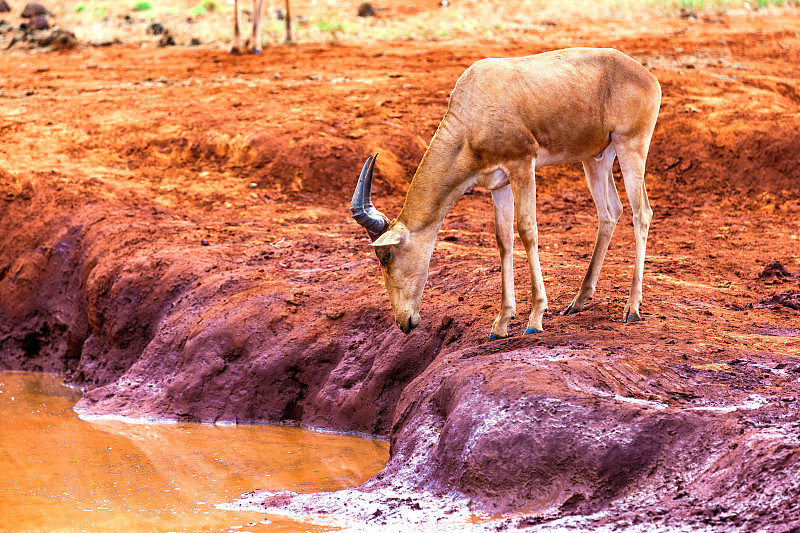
(441, 179)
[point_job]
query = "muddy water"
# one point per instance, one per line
(61, 473)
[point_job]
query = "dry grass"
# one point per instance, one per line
(210, 21)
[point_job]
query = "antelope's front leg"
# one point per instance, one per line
(523, 183)
(503, 201)
(236, 48)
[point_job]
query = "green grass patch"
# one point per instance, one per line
(142, 5)
(206, 7)
(335, 28)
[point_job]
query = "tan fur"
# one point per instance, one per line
(506, 118)
(253, 43)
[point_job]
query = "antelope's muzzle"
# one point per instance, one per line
(408, 325)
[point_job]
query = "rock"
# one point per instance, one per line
(33, 9)
(366, 10)
(194, 42)
(59, 39)
(156, 29)
(39, 22)
(774, 272)
(334, 314)
(4, 7)
(166, 40)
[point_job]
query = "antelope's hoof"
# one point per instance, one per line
(255, 50)
(632, 317)
(493, 337)
(235, 50)
(531, 331)
(573, 311)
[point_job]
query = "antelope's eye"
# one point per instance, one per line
(385, 257)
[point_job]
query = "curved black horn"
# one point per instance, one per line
(368, 184)
(357, 203)
(361, 206)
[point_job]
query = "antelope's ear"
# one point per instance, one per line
(395, 235)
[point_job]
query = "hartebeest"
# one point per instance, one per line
(506, 118)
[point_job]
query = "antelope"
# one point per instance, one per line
(507, 118)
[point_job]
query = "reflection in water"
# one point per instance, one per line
(61, 473)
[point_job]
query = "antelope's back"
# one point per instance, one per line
(569, 100)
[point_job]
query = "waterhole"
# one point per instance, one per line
(62, 474)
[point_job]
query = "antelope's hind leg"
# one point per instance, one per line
(503, 201)
(632, 154)
(253, 43)
(600, 178)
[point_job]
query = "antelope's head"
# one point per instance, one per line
(404, 259)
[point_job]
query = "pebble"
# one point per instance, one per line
(366, 10)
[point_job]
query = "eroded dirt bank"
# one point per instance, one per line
(175, 237)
